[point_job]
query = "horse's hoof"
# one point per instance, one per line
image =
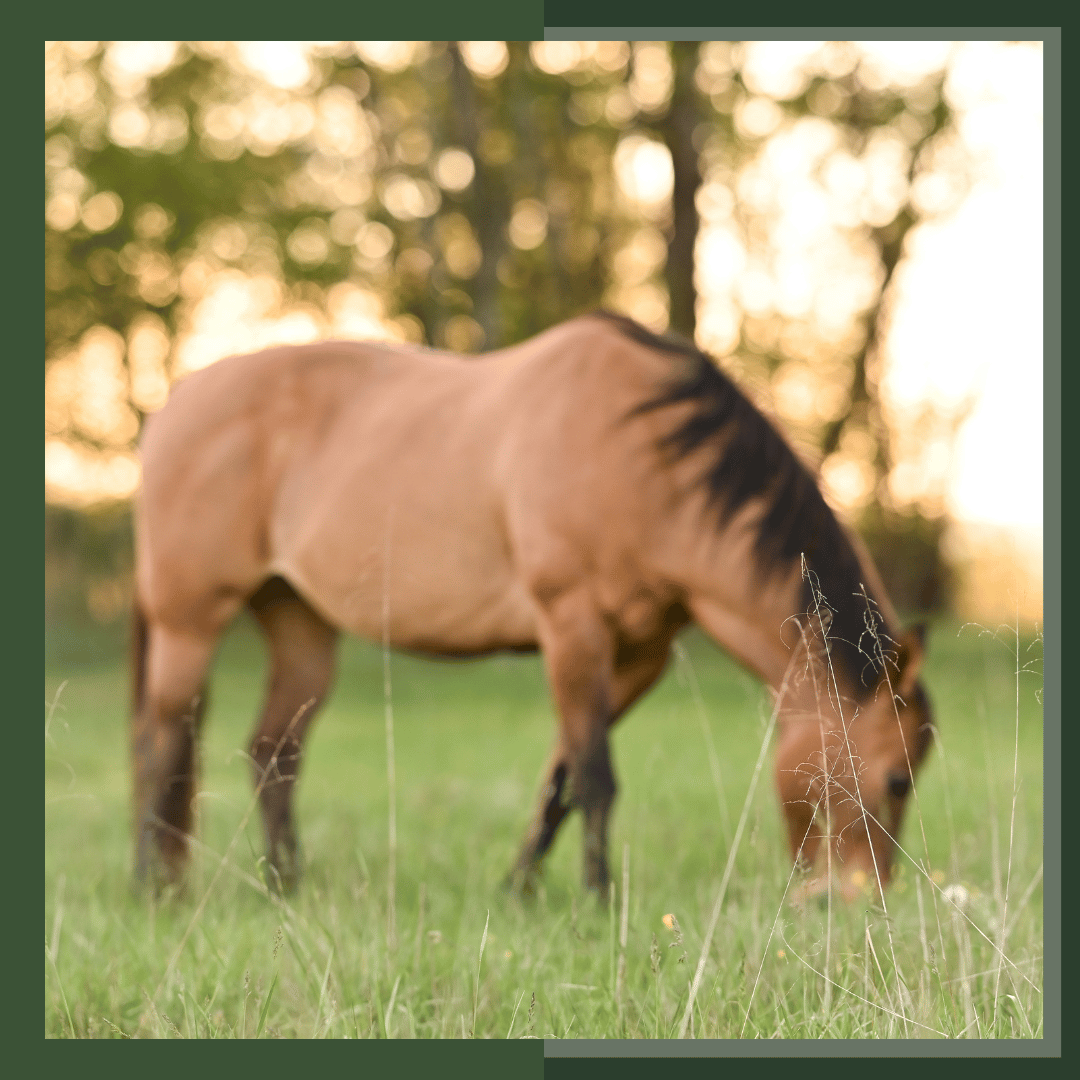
(281, 881)
(157, 880)
(158, 891)
(522, 884)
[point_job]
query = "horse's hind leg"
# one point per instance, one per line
(302, 647)
(164, 747)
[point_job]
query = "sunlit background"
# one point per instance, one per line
(866, 253)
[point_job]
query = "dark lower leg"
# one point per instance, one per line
(274, 772)
(594, 792)
(551, 812)
(165, 768)
(594, 678)
(301, 669)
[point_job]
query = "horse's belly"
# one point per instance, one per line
(393, 520)
(450, 622)
(441, 600)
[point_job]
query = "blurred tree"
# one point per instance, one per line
(469, 194)
(682, 130)
(487, 209)
(874, 123)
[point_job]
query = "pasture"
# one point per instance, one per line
(423, 942)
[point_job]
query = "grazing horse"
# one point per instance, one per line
(587, 492)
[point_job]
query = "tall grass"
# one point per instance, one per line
(955, 950)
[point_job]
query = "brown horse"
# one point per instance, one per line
(588, 493)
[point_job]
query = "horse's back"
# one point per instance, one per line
(367, 474)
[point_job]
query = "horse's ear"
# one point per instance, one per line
(909, 659)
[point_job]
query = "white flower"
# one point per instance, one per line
(956, 895)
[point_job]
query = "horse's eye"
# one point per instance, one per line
(899, 784)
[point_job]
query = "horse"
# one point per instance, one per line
(588, 493)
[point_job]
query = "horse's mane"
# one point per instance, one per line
(754, 461)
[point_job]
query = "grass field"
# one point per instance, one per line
(437, 949)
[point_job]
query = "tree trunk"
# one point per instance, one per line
(677, 126)
(489, 206)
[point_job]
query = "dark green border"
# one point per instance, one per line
(427, 20)
(23, 510)
(576, 16)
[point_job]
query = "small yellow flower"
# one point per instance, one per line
(669, 921)
(508, 954)
(858, 878)
(780, 953)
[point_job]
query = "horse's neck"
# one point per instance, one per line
(760, 615)
(750, 613)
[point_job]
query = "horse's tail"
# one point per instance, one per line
(139, 638)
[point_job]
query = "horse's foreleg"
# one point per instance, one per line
(552, 809)
(164, 750)
(593, 789)
(636, 669)
(302, 647)
(579, 654)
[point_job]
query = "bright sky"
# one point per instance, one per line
(970, 312)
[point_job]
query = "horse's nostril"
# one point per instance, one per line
(899, 785)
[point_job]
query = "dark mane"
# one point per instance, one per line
(754, 461)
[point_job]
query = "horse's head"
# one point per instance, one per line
(845, 768)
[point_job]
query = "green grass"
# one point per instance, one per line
(470, 742)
